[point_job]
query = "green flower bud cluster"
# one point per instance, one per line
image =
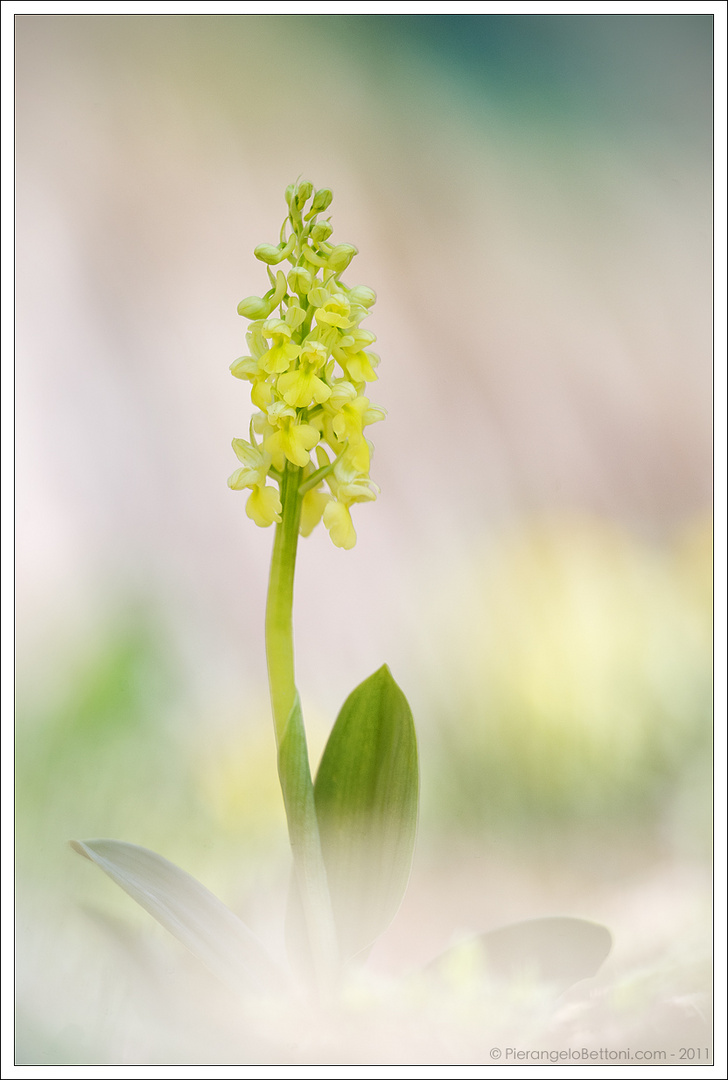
(309, 363)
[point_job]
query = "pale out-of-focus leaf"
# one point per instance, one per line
(557, 952)
(189, 911)
(366, 792)
(318, 942)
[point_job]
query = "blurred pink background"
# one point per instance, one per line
(532, 202)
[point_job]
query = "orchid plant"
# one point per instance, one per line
(352, 830)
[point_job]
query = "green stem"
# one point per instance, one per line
(293, 765)
(279, 610)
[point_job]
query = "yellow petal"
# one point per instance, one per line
(337, 520)
(358, 455)
(295, 388)
(312, 507)
(297, 440)
(264, 506)
(243, 478)
(245, 367)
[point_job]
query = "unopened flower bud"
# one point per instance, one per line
(318, 296)
(322, 199)
(340, 257)
(300, 280)
(295, 315)
(303, 194)
(321, 231)
(272, 253)
(362, 294)
(267, 253)
(252, 307)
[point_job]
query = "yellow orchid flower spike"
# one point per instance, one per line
(308, 366)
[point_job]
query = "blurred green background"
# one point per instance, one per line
(531, 198)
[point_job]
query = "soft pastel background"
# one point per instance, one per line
(531, 199)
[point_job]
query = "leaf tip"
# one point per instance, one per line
(383, 674)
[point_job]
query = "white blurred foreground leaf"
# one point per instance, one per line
(557, 951)
(213, 933)
(310, 882)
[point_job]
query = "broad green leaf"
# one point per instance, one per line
(366, 792)
(189, 911)
(558, 951)
(319, 943)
